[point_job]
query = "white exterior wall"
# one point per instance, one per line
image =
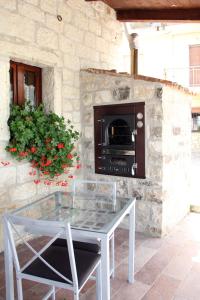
(165, 54)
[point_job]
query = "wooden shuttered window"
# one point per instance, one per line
(25, 83)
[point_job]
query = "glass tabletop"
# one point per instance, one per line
(84, 212)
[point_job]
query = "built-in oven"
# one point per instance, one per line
(119, 140)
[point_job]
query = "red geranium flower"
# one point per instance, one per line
(23, 153)
(60, 146)
(46, 172)
(37, 181)
(78, 166)
(33, 149)
(34, 164)
(64, 166)
(69, 156)
(46, 164)
(47, 182)
(13, 149)
(64, 183)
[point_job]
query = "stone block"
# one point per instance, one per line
(156, 132)
(90, 39)
(101, 44)
(80, 21)
(66, 46)
(122, 188)
(87, 52)
(144, 91)
(89, 132)
(72, 62)
(11, 4)
(47, 38)
(8, 175)
(53, 23)
(4, 199)
(122, 93)
(76, 104)
(68, 76)
(77, 80)
(16, 26)
(32, 11)
(67, 106)
(24, 173)
(76, 117)
(22, 191)
(65, 11)
(73, 33)
(87, 99)
(95, 27)
(33, 54)
(103, 97)
(33, 2)
(49, 6)
(88, 118)
(70, 92)
(154, 194)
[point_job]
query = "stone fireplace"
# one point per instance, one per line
(163, 195)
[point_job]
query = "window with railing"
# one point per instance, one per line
(194, 61)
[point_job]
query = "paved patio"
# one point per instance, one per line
(166, 269)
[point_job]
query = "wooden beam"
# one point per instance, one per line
(175, 14)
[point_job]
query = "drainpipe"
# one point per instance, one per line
(132, 39)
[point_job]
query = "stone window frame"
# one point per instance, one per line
(19, 70)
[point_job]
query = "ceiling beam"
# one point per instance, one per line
(175, 14)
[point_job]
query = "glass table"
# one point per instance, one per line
(90, 218)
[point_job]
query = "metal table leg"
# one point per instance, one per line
(105, 265)
(8, 266)
(131, 245)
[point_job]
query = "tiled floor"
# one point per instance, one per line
(165, 269)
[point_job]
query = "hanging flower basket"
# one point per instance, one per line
(43, 139)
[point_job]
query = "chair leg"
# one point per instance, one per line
(98, 283)
(76, 296)
(54, 293)
(51, 294)
(113, 256)
(19, 289)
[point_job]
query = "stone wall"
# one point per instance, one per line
(88, 36)
(162, 196)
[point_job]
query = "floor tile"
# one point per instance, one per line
(163, 289)
(190, 287)
(133, 291)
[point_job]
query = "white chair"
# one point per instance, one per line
(100, 190)
(60, 267)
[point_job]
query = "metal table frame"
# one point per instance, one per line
(103, 236)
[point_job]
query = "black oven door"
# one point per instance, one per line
(118, 131)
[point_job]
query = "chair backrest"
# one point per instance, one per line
(20, 232)
(101, 190)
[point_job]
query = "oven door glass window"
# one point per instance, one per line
(119, 133)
